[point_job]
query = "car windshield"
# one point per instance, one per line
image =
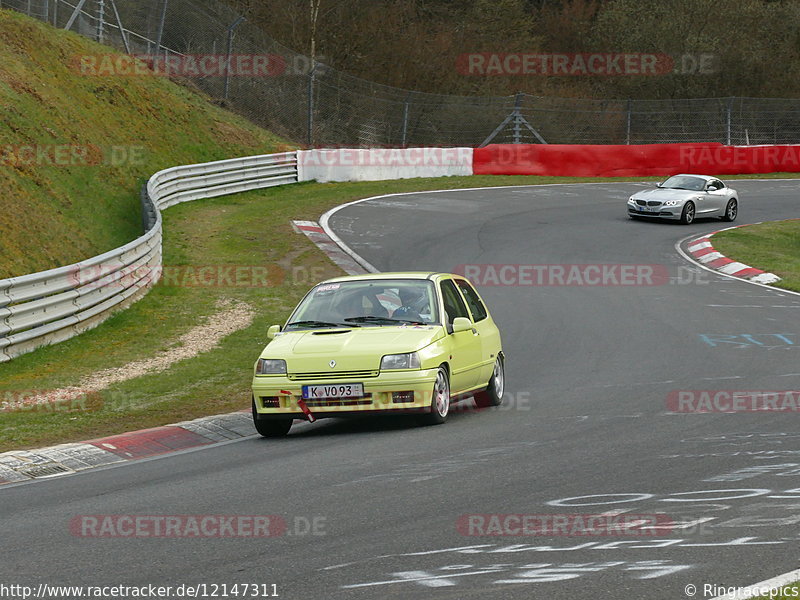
(367, 303)
(683, 182)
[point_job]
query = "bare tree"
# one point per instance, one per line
(315, 6)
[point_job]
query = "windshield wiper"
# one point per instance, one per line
(372, 319)
(320, 324)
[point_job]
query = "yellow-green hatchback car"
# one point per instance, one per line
(391, 343)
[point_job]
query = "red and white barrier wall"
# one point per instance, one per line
(633, 160)
(376, 164)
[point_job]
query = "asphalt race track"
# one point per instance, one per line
(586, 429)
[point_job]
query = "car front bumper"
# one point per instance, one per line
(279, 396)
(664, 212)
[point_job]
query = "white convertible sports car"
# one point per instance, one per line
(685, 198)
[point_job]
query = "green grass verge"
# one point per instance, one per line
(245, 229)
(773, 247)
(74, 149)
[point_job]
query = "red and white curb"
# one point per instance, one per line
(703, 252)
(24, 465)
(330, 247)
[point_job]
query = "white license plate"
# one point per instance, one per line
(342, 390)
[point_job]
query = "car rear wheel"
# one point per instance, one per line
(493, 394)
(440, 400)
(731, 210)
(687, 216)
(270, 428)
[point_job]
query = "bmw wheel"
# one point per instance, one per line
(687, 216)
(731, 210)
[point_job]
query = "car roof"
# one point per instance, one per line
(393, 275)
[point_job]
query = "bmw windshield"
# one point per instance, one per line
(682, 182)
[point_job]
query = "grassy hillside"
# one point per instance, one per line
(74, 149)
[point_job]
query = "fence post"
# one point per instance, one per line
(101, 8)
(231, 28)
(310, 121)
(628, 129)
(729, 109)
(121, 28)
(161, 26)
(517, 124)
(404, 136)
(74, 15)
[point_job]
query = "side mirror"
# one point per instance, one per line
(273, 331)
(461, 324)
(659, 184)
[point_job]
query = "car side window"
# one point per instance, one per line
(473, 300)
(453, 304)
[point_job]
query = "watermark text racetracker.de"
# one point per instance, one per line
(50, 401)
(191, 65)
(591, 275)
(107, 275)
(731, 159)
(195, 526)
(567, 525)
(70, 155)
(149, 591)
(733, 401)
(602, 64)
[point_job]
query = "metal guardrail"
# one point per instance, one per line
(55, 305)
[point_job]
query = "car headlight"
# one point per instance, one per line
(409, 360)
(631, 200)
(270, 366)
(672, 203)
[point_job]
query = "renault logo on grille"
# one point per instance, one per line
(332, 364)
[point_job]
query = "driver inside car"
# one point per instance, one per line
(411, 304)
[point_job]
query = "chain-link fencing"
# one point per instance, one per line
(315, 105)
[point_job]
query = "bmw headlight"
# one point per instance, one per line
(672, 203)
(631, 200)
(271, 366)
(409, 360)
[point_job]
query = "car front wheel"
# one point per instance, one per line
(687, 216)
(270, 428)
(440, 400)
